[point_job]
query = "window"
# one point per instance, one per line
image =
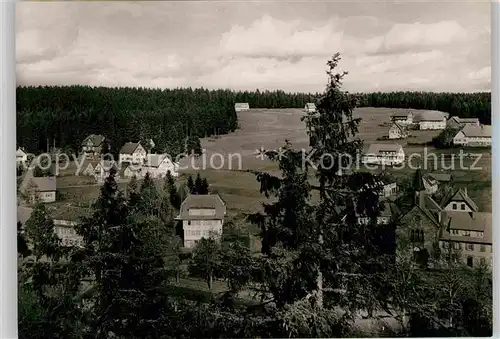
(454, 206)
(455, 232)
(469, 247)
(482, 261)
(457, 246)
(445, 245)
(466, 233)
(462, 207)
(482, 248)
(470, 261)
(189, 222)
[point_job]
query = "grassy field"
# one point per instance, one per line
(269, 128)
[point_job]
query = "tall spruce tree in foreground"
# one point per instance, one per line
(125, 255)
(319, 251)
(170, 188)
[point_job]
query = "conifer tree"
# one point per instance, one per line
(190, 185)
(170, 188)
(198, 183)
(204, 187)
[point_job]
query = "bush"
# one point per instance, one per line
(445, 138)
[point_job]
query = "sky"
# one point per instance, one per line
(384, 46)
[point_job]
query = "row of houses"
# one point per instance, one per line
(454, 223)
(200, 215)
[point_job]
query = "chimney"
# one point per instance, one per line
(465, 190)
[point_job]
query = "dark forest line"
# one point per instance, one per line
(66, 115)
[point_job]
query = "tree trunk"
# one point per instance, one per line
(210, 278)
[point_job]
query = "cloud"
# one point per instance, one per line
(187, 44)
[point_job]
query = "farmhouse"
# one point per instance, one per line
(92, 145)
(65, 220)
(202, 216)
(473, 136)
(103, 169)
(470, 234)
(398, 131)
(241, 106)
(310, 107)
(432, 120)
(384, 154)
(158, 165)
(133, 153)
(43, 188)
(21, 156)
(403, 119)
(456, 122)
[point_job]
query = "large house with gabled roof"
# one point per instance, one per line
(398, 131)
(384, 154)
(473, 136)
(93, 145)
(202, 216)
(133, 153)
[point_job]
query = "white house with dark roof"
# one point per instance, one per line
(158, 165)
(473, 136)
(133, 152)
(43, 188)
(310, 107)
(202, 216)
(432, 120)
(384, 154)
(241, 106)
(65, 218)
(398, 131)
(403, 118)
(92, 145)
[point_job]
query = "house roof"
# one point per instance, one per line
(378, 148)
(68, 213)
(460, 196)
(431, 116)
(129, 147)
(205, 201)
(23, 214)
(442, 177)
(468, 120)
(483, 131)
(45, 184)
(106, 165)
(401, 115)
(20, 152)
(97, 139)
(455, 119)
(475, 221)
(155, 160)
(398, 126)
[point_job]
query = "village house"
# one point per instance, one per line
(21, 157)
(103, 169)
(202, 216)
(459, 202)
(93, 145)
(432, 120)
(129, 171)
(65, 218)
(469, 234)
(158, 165)
(389, 187)
(398, 131)
(241, 106)
(310, 107)
(403, 119)
(133, 153)
(43, 188)
(473, 136)
(389, 213)
(384, 154)
(441, 178)
(456, 122)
